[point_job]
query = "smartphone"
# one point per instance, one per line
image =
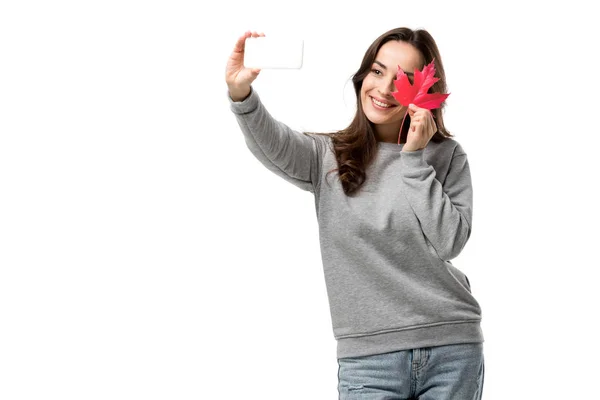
(274, 52)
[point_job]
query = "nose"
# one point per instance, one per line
(387, 88)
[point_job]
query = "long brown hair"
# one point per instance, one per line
(355, 147)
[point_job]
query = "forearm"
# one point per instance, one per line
(445, 214)
(284, 151)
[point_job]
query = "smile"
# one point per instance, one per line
(380, 105)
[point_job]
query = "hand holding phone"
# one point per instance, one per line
(238, 77)
(252, 52)
(277, 52)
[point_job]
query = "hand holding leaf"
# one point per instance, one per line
(416, 93)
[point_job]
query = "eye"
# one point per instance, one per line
(376, 71)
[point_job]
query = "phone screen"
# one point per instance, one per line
(274, 52)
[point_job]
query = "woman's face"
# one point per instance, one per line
(378, 104)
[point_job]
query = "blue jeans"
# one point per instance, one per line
(453, 372)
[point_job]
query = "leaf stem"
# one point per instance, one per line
(401, 126)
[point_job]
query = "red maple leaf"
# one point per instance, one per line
(417, 92)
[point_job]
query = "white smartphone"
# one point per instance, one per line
(274, 52)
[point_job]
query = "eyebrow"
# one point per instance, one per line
(384, 67)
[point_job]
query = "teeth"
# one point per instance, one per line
(380, 104)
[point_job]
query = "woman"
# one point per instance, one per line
(406, 324)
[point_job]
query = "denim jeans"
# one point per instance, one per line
(452, 372)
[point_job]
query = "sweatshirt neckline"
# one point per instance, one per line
(390, 146)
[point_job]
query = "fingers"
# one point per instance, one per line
(431, 122)
(419, 114)
(255, 72)
(426, 126)
(240, 45)
(421, 118)
(241, 42)
(237, 77)
(414, 110)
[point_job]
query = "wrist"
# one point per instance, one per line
(409, 150)
(239, 94)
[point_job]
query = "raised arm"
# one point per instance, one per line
(290, 154)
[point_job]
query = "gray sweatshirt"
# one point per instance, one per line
(386, 251)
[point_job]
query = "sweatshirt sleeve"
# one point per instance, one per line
(444, 211)
(287, 153)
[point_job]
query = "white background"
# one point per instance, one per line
(145, 254)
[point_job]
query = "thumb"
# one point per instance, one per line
(248, 75)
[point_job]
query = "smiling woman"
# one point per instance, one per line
(405, 320)
(373, 83)
(376, 98)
